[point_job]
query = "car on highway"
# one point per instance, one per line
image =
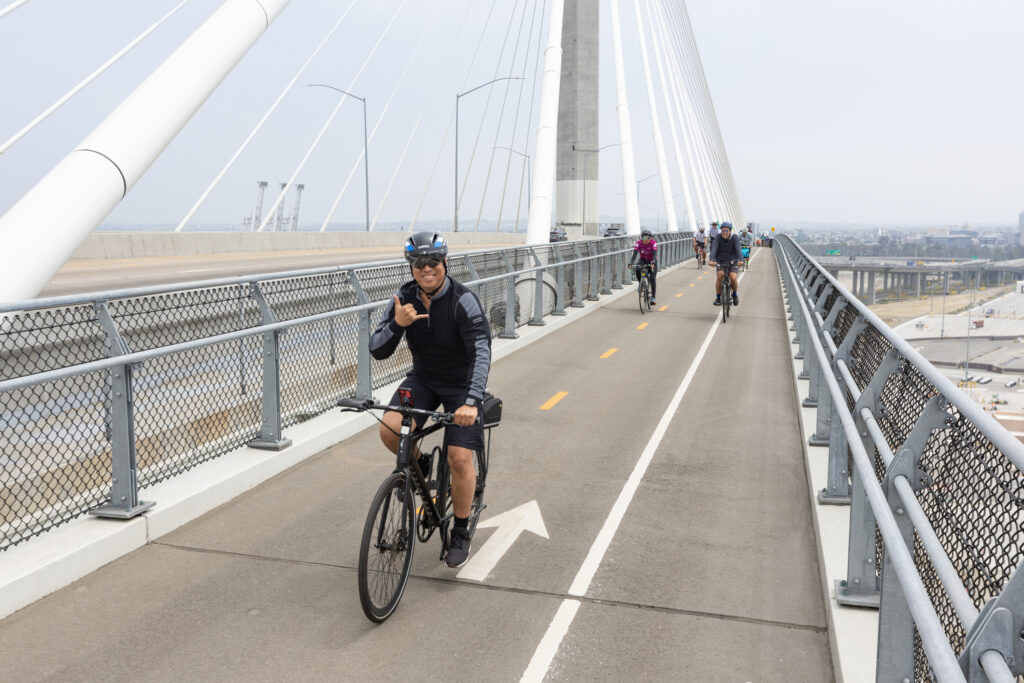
(1012, 383)
(614, 231)
(558, 235)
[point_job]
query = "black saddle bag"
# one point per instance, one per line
(490, 410)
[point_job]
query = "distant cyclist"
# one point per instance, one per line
(700, 243)
(647, 251)
(725, 254)
(746, 242)
(712, 233)
(450, 342)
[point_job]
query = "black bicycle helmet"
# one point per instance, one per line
(425, 244)
(714, 223)
(646, 233)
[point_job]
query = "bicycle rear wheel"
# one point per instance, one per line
(480, 467)
(726, 299)
(385, 552)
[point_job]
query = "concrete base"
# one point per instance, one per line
(126, 245)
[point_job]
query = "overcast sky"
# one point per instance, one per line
(870, 111)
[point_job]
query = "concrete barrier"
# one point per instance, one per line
(128, 245)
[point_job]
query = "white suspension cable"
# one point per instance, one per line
(529, 116)
(659, 144)
(316, 142)
(415, 128)
(89, 79)
(451, 117)
(656, 29)
(487, 106)
(216, 181)
(515, 125)
(376, 127)
(11, 7)
(625, 130)
(501, 119)
(539, 223)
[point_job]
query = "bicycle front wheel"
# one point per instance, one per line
(645, 296)
(385, 553)
(726, 301)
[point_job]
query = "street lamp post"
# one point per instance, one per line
(366, 149)
(583, 202)
(638, 190)
(458, 97)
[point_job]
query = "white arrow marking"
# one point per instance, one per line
(510, 524)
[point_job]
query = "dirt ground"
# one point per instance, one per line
(895, 312)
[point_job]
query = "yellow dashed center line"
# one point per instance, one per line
(608, 353)
(642, 326)
(554, 399)
(663, 308)
(693, 285)
(679, 295)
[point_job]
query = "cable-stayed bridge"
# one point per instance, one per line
(668, 455)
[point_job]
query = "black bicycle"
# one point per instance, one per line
(644, 288)
(410, 504)
(701, 256)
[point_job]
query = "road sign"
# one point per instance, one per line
(834, 252)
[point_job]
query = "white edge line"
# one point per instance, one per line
(548, 646)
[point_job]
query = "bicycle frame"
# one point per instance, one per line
(415, 480)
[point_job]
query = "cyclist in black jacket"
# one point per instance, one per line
(726, 252)
(450, 340)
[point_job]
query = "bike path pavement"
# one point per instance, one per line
(712, 573)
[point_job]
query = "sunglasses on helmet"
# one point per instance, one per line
(424, 261)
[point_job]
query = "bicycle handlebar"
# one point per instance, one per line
(367, 404)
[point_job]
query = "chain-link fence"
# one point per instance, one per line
(943, 487)
(102, 395)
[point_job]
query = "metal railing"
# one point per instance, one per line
(935, 487)
(101, 395)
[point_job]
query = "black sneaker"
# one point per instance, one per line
(458, 549)
(718, 300)
(735, 299)
(653, 302)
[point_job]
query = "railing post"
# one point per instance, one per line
(538, 293)
(364, 365)
(998, 628)
(616, 268)
(592, 280)
(837, 490)
(270, 437)
(606, 269)
(577, 294)
(123, 502)
(560, 291)
(509, 331)
(473, 277)
(895, 658)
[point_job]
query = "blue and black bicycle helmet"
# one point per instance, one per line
(726, 225)
(429, 244)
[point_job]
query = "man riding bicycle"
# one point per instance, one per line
(647, 250)
(450, 341)
(746, 242)
(700, 241)
(725, 253)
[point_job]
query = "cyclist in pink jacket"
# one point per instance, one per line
(647, 251)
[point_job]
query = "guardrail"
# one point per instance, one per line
(101, 395)
(935, 487)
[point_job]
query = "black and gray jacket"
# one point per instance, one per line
(452, 347)
(725, 251)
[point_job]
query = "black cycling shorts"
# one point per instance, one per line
(428, 396)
